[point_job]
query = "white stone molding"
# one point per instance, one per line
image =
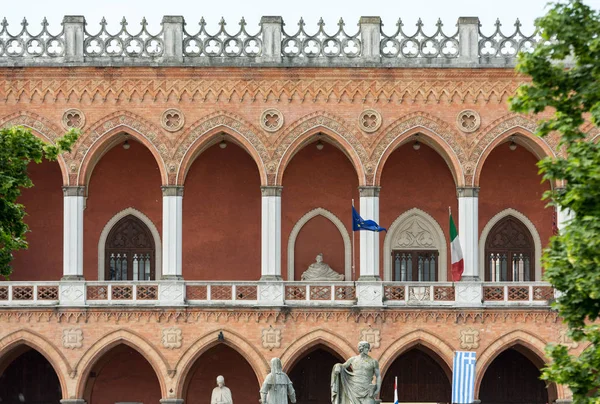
(537, 242)
(343, 232)
(108, 227)
(400, 235)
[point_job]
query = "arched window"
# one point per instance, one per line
(509, 252)
(129, 251)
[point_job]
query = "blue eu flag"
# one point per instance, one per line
(358, 223)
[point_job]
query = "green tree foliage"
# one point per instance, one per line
(565, 73)
(18, 147)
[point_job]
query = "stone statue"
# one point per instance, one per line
(355, 386)
(277, 386)
(221, 394)
(320, 271)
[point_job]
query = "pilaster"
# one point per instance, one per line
(73, 206)
(74, 26)
(271, 233)
(369, 240)
(468, 39)
(370, 38)
(172, 232)
(468, 231)
(173, 38)
(272, 27)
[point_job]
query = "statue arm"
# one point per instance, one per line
(291, 392)
(264, 390)
(377, 378)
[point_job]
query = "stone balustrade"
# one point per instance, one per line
(177, 43)
(274, 293)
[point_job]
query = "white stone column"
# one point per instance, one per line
(172, 229)
(271, 233)
(370, 37)
(468, 39)
(74, 204)
(468, 231)
(369, 240)
(272, 27)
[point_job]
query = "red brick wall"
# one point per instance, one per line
(43, 259)
(317, 178)
(121, 179)
(221, 216)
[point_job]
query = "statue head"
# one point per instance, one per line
(364, 347)
(276, 366)
(220, 381)
(320, 257)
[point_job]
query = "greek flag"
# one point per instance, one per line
(463, 377)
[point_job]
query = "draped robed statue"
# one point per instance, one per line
(352, 381)
(277, 387)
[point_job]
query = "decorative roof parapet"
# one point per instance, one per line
(270, 45)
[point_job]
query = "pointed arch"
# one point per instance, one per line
(208, 130)
(500, 131)
(431, 228)
(518, 337)
(111, 223)
(432, 131)
(343, 232)
(41, 128)
(306, 128)
(417, 337)
(111, 340)
(319, 336)
(209, 340)
(110, 130)
(52, 354)
(537, 241)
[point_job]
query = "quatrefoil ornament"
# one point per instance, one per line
(369, 120)
(468, 121)
(271, 120)
(172, 120)
(73, 119)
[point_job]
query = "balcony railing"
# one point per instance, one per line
(301, 294)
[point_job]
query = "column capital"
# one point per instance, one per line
(369, 191)
(172, 190)
(74, 191)
(271, 190)
(467, 192)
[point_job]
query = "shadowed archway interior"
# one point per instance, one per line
(311, 375)
(29, 379)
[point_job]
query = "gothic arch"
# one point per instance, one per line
(537, 241)
(107, 132)
(208, 131)
(109, 341)
(432, 131)
(401, 226)
(209, 340)
(343, 232)
(41, 128)
(320, 336)
(111, 223)
(517, 337)
(417, 337)
(308, 127)
(43, 346)
(501, 130)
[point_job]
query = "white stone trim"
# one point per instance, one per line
(108, 227)
(537, 242)
(343, 231)
(435, 230)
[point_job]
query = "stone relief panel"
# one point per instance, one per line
(469, 338)
(271, 338)
(369, 120)
(172, 120)
(172, 337)
(72, 338)
(565, 339)
(271, 120)
(468, 121)
(73, 119)
(372, 336)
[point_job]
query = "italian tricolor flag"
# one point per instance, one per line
(458, 264)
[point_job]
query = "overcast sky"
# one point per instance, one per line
(252, 10)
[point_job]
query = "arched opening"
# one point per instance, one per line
(222, 208)
(509, 252)
(130, 251)
(122, 375)
(510, 180)
(126, 176)
(221, 360)
(422, 375)
(28, 378)
(318, 175)
(514, 377)
(43, 260)
(416, 176)
(311, 375)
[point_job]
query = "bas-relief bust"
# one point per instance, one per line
(320, 271)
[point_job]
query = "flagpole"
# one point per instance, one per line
(353, 253)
